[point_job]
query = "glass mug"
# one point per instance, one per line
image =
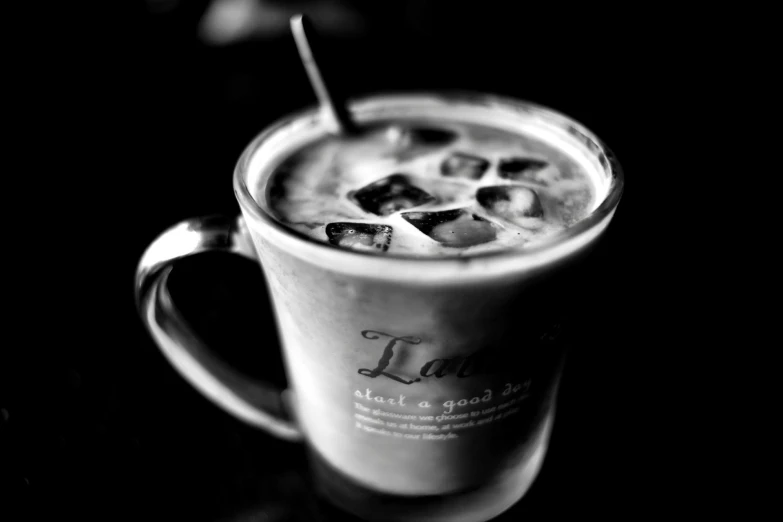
(423, 388)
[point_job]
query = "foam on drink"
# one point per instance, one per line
(430, 189)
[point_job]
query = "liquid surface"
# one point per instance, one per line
(426, 189)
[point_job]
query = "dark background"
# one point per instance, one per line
(148, 118)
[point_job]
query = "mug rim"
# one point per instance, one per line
(464, 98)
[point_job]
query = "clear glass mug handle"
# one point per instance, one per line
(255, 402)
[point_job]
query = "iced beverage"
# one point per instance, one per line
(420, 271)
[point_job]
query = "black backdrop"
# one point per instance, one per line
(149, 122)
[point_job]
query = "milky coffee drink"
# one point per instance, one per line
(425, 189)
(421, 272)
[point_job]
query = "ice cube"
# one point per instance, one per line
(390, 194)
(462, 165)
(510, 201)
(453, 228)
(522, 169)
(360, 236)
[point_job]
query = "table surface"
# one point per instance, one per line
(96, 425)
